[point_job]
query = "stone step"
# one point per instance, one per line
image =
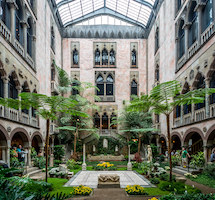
(40, 176)
(181, 170)
(32, 173)
(31, 169)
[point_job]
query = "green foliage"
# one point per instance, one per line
(8, 172)
(57, 162)
(189, 197)
(210, 170)
(176, 160)
(14, 162)
(56, 196)
(154, 150)
(72, 164)
(198, 160)
(177, 187)
(39, 162)
(146, 167)
(33, 153)
(155, 181)
(59, 152)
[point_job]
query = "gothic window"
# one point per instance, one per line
(75, 57)
(96, 120)
(157, 74)
(181, 40)
(1, 88)
(193, 19)
(52, 73)
(207, 14)
(157, 40)
(133, 87)
(186, 107)
(109, 86)
(177, 110)
(5, 13)
(29, 37)
(200, 84)
(52, 38)
(19, 16)
(25, 88)
(157, 118)
(112, 119)
(97, 57)
(12, 91)
(212, 85)
(32, 3)
(75, 85)
(100, 85)
(104, 57)
(112, 57)
(105, 123)
(134, 58)
(33, 110)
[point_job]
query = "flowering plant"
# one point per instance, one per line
(189, 175)
(105, 166)
(81, 190)
(135, 190)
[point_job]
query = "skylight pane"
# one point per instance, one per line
(111, 20)
(104, 20)
(98, 20)
(111, 4)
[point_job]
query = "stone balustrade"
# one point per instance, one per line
(181, 62)
(13, 114)
(187, 118)
(25, 118)
(107, 132)
(30, 61)
(207, 33)
(5, 32)
(200, 114)
(53, 128)
(19, 47)
(1, 111)
(177, 122)
(192, 50)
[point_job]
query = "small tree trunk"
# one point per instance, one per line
(47, 146)
(75, 142)
(139, 144)
(169, 147)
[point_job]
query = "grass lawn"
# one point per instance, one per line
(57, 184)
(156, 192)
(205, 180)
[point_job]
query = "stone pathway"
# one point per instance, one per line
(90, 178)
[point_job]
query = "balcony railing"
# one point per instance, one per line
(212, 110)
(53, 128)
(207, 33)
(177, 122)
(34, 122)
(13, 114)
(1, 111)
(5, 32)
(192, 50)
(200, 114)
(187, 118)
(107, 132)
(19, 47)
(30, 60)
(181, 62)
(25, 118)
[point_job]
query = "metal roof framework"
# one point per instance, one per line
(135, 12)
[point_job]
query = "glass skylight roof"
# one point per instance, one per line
(131, 11)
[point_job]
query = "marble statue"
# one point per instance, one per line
(149, 156)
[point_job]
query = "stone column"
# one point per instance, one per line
(213, 11)
(30, 115)
(34, 49)
(176, 51)
(4, 154)
(84, 165)
(25, 26)
(207, 99)
(20, 110)
(42, 149)
(205, 148)
(8, 152)
(129, 165)
(182, 115)
(199, 12)
(186, 41)
(29, 154)
(13, 8)
(6, 109)
(51, 161)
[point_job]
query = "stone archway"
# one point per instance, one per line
(163, 143)
(176, 141)
(3, 144)
(20, 136)
(210, 141)
(37, 142)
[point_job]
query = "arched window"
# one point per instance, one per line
(104, 57)
(181, 40)
(52, 38)
(25, 88)
(134, 58)
(186, 107)
(212, 85)
(32, 3)
(112, 57)
(33, 110)
(157, 118)
(113, 118)
(133, 87)
(177, 110)
(1, 88)
(109, 86)
(199, 85)
(12, 91)
(19, 16)
(207, 14)
(97, 57)
(5, 13)
(75, 57)
(52, 73)
(105, 123)
(100, 85)
(29, 37)
(193, 19)
(157, 39)
(75, 84)
(96, 120)
(157, 74)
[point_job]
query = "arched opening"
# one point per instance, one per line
(75, 57)
(212, 85)
(3, 146)
(134, 87)
(207, 15)
(37, 143)
(1, 87)
(18, 23)
(181, 37)
(186, 108)
(104, 57)
(75, 87)
(100, 85)
(96, 118)
(210, 144)
(200, 84)
(157, 39)
(163, 145)
(105, 123)
(5, 13)
(134, 58)
(194, 142)
(176, 143)
(19, 138)
(109, 86)
(12, 87)
(193, 19)
(112, 57)
(112, 119)
(97, 57)
(25, 88)
(29, 36)
(33, 110)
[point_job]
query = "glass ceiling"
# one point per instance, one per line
(131, 11)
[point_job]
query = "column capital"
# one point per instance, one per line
(12, 4)
(200, 6)
(187, 25)
(5, 79)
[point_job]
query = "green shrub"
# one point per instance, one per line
(198, 160)
(59, 152)
(39, 162)
(33, 153)
(176, 160)
(168, 197)
(71, 164)
(135, 190)
(155, 181)
(210, 170)
(57, 162)
(14, 162)
(189, 197)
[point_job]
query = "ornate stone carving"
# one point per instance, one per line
(108, 181)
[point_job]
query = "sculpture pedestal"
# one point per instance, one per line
(129, 166)
(84, 167)
(108, 181)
